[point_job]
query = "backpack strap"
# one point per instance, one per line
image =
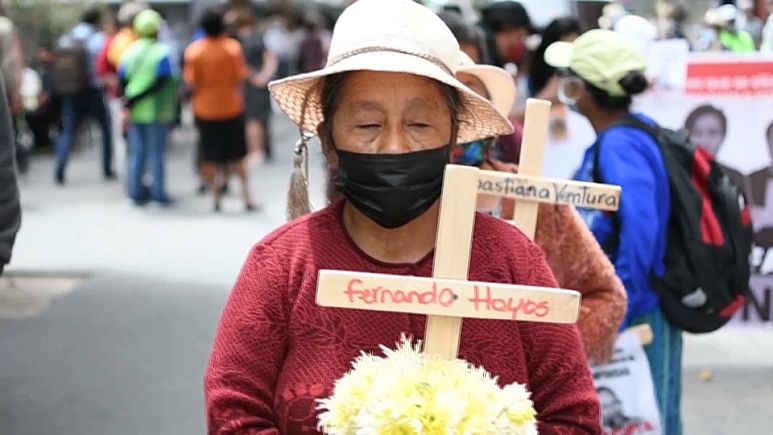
(634, 122)
(157, 83)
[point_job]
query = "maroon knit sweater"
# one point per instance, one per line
(276, 351)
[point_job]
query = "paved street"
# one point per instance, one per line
(107, 316)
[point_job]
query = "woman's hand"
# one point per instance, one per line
(259, 80)
(503, 167)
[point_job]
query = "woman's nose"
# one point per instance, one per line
(394, 141)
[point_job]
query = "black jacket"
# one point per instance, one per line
(10, 210)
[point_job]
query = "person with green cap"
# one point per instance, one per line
(601, 72)
(147, 81)
(723, 22)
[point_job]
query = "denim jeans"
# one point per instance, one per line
(147, 142)
(74, 109)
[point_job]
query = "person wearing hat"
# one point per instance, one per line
(388, 110)
(108, 62)
(601, 72)
(727, 36)
(149, 90)
(472, 41)
(570, 249)
(110, 58)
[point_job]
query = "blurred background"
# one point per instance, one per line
(108, 307)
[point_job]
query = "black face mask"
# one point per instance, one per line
(392, 189)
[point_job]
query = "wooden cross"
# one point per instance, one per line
(447, 297)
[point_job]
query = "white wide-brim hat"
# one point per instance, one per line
(398, 36)
(498, 83)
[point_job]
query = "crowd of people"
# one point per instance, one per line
(125, 74)
(54, 102)
(402, 92)
(383, 175)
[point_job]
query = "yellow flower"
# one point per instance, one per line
(408, 392)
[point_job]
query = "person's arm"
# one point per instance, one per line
(579, 263)
(10, 210)
(270, 65)
(240, 66)
(189, 72)
(559, 376)
(624, 162)
(249, 350)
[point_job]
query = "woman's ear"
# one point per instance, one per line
(328, 149)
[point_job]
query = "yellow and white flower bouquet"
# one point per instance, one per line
(409, 392)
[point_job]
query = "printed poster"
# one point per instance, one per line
(626, 392)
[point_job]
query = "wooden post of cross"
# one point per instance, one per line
(447, 297)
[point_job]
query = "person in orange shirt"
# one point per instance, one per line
(215, 70)
(110, 57)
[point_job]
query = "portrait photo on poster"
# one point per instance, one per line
(625, 390)
(612, 413)
(761, 196)
(707, 126)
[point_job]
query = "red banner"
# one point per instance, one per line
(746, 78)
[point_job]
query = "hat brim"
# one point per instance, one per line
(559, 54)
(299, 96)
(499, 84)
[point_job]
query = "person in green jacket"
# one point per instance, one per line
(723, 20)
(148, 84)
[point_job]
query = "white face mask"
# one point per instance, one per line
(569, 89)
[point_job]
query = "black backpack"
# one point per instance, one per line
(709, 235)
(70, 68)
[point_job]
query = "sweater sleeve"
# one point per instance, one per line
(249, 350)
(559, 375)
(622, 162)
(579, 263)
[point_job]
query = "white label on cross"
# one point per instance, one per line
(446, 297)
(545, 190)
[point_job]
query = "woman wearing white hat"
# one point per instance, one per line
(387, 108)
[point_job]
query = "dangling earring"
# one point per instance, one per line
(298, 203)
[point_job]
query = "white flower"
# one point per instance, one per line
(408, 392)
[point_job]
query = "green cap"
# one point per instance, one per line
(601, 57)
(147, 22)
